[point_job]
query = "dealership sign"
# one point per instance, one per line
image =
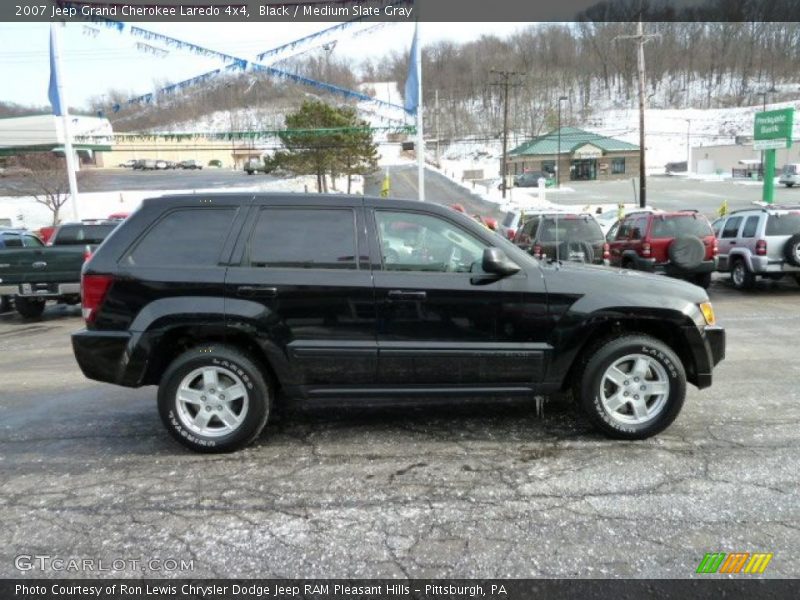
(773, 129)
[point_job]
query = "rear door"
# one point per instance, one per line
(301, 284)
(728, 240)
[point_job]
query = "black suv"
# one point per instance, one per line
(232, 302)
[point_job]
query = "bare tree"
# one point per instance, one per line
(47, 181)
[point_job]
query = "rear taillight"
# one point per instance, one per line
(87, 254)
(511, 234)
(606, 252)
(715, 248)
(93, 291)
(645, 249)
(761, 247)
(537, 251)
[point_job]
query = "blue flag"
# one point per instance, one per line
(412, 81)
(52, 92)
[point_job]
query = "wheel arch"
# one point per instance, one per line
(609, 327)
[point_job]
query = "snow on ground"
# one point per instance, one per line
(26, 212)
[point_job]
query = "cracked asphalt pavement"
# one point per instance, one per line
(88, 471)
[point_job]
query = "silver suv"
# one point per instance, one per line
(759, 242)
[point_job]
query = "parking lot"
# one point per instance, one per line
(88, 471)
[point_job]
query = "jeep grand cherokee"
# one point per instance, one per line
(232, 302)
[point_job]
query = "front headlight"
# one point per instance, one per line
(708, 313)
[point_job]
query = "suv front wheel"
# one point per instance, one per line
(214, 399)
(632, 387)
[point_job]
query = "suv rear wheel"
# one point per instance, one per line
(741, 277)
(214, 399)
(632, 387)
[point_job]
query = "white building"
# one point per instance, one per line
(45, 133)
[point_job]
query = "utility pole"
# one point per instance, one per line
(641, 40)
(436, 123)
(505, 82)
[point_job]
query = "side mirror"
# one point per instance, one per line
(495, 261)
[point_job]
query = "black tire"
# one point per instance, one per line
(687, 252)
(791, 250)
(5, 304)
(226, 359)
(591, 385)
(797, 278)
(30, 308)
(788, 185)
(741, 277)
(703, 280)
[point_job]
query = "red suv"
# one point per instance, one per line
(680, 244)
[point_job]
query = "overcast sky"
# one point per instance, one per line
(94, 63)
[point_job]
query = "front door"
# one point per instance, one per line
(438, 325)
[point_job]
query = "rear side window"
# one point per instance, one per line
(750, 227)
(304, 239)
(70, 235)
(680, 225)
(187, 238)
(731, 227)
(785, 224)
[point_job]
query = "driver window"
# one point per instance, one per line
(416, 242)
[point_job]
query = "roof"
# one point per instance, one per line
(571, 139)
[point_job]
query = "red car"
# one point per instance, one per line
(679, 244)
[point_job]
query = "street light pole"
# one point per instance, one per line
(764, 109)
(558, 155)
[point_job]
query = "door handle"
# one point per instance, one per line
(39, 264)
(732, 243)
(257, 290)
(406, 295)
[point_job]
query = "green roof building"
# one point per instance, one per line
(583, 156)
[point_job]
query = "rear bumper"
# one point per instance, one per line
(708, 350)
(108, 356)
(41, 290)
(763, 264)
(650, 264)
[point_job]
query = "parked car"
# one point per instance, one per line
(162, 165)
(11, 238)
(759, 242)
(255, 165)
(33, 273)
(217, 164)
(678, 244)
(190, 164)
(128, 164)
(790, 175)
(145, 165)
(231, 303)
(563, 236)
(531, 179)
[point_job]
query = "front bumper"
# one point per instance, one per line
(708, 350)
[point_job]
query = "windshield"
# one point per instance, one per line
(570, 228)
(785, 224)
(678, 225)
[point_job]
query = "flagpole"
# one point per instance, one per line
(420, 140)
(68, 153)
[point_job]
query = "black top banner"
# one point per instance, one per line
(401, 10)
